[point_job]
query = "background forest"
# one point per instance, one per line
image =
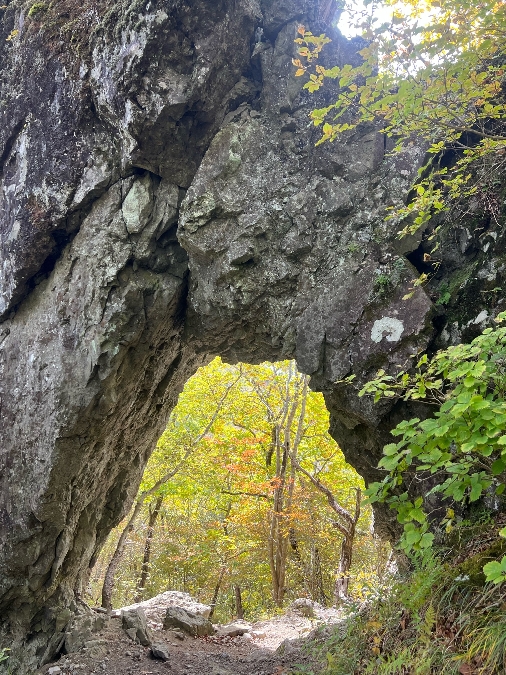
(247, 499)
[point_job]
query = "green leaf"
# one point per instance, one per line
(498, 467)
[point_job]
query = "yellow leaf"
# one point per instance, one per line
(301, 30)
(299, 72)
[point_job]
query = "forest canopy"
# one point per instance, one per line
(251, 492)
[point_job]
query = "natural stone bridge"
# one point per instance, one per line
(162, 201)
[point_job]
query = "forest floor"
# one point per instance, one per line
(278, 646)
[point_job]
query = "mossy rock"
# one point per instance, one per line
(37, 9)
(473, 566)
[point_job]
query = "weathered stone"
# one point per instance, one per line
(233, 629)
(162, 201)
(156, 607)
(194, 624)
(304, 606)
(81, 631)
(135, 625)
(159, 650)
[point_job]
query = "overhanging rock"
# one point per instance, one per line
(162, 201)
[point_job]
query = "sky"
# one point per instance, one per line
(345, 22)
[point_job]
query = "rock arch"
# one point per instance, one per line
(163, 202)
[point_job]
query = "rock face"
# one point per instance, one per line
(162, 201)
(81, 630)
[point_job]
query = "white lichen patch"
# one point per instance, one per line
(387, 327)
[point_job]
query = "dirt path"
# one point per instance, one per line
(273, 647)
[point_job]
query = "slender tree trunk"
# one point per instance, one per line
(286, 454)
(153, 515)
(217, 588)
(343, 576)
(238, 603)
(318, 593)
(304, 577)
(346, 526)
(108, 586)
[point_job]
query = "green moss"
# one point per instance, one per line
(473, 566)
(37, 8)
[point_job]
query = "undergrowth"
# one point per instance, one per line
(440, 619)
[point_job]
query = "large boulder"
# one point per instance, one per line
(233, 629)
(156, 607)
(193, 624)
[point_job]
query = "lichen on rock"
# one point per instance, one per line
(162, 202)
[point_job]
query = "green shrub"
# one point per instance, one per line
(463, 445)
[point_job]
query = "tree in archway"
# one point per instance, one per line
(345, 524)
(180, 440)
(238, 513)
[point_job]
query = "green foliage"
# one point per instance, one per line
(434, 72)
(444, 295)
(215, 523)
(496, 571)
(430, 622)
(382, 284)
(463, 444)
(3, 654)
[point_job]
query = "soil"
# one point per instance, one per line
(278, 646)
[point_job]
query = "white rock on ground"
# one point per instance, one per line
(156, 608)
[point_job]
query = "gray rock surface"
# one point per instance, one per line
(162, 201)
(81, 630)
(233, 629)
(193, 624)
(135, 625)
(156, 607)
(160, 651)
(304, 606)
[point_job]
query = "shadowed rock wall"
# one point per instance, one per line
(162, 201)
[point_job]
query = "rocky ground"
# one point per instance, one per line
(277, 646)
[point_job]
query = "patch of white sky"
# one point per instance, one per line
(354, 12)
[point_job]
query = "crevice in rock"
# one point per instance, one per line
(10, 144)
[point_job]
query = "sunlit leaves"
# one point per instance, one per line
(214, 523)
(434, 73)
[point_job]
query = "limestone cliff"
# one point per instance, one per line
(162, 201)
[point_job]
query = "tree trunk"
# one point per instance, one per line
(304, 577)
(108, 585)
(223, 569)
(238, 603)
(153, 515)
(346, 527)
(318, 591)
(286, 453)
(343, 576)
